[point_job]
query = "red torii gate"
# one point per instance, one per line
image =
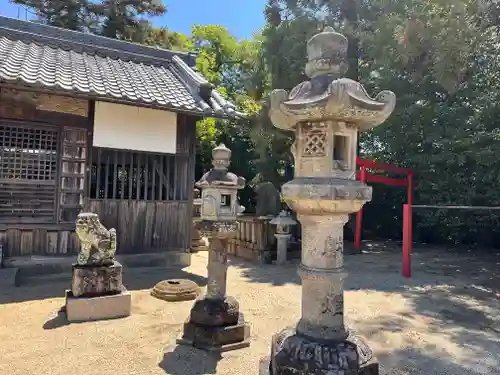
(363, 176)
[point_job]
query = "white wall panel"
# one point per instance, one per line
(134, 128)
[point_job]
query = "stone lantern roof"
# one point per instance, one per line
(283, 218)
(219, 176)
(326, 96)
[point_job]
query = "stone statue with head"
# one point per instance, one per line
(98, 244)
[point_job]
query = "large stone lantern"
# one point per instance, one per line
(325, 113)
(215, 322)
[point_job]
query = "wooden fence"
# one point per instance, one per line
(255, 239)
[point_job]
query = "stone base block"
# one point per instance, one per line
(292, 354)
(216, 338)
(92, 281)
(84, 309)
(215, 312)
(368, 369)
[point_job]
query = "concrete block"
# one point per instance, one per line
(84, 309)
(8, 277)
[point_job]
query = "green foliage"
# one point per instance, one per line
(441, 60)
(69, 14)
(124, 19)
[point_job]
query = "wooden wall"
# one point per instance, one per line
(146, 197)
(146, 226)
(152, 219)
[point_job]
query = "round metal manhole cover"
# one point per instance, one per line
(176, 290)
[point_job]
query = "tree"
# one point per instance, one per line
(118, 19)
(441, 60)
(68, 14)
(121, 19)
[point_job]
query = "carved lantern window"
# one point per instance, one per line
(315, 143)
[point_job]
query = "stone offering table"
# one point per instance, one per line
(96, 290)
(325, 113)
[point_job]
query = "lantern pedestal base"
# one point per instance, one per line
(216, 325)
(293, 354)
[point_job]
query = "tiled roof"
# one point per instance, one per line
(62, 60)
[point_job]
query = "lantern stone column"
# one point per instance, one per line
(215, 322)
(325, 113)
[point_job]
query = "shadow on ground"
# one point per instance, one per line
(185, 360)
(37, 288)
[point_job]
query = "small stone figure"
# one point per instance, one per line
(268, 199)
(94, 236)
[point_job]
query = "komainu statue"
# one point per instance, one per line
(98, 245)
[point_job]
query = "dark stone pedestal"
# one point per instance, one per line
(292, 354)
(216, 325)
(93, 281)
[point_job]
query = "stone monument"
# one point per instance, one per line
(283, 223)
(96, 290)
(325, 113)
(215, 322)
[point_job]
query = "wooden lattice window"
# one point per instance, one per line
(122, 174)
(28, 153)
(28, 170)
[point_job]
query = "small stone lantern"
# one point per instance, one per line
(215, 322)
(283, 223)
(219, 188)
(326, 113)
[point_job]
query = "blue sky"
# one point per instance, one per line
(241, 17)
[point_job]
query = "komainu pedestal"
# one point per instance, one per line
(97, 290)
(92, 281)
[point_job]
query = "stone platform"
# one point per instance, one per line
(97, 293)
(216, 338)
(216, 325)
(84, 309)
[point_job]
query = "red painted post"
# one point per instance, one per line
(409, 178)
(359, 215)
(406, 261)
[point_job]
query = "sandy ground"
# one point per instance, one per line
(443, 321)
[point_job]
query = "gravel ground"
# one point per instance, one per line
(443, 321)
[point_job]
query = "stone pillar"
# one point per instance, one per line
(325, 114)
(282, 247)
(215, 322)
(217, 269)
(322, 277)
